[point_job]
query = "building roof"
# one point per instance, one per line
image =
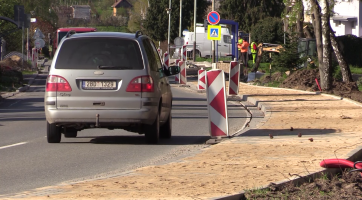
(344, 18)
(122, 3)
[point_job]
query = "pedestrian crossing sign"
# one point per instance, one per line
(213, 32)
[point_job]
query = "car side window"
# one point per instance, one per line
(227, 39)
(152, 61)
(157, 56)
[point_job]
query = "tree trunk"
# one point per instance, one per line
(318, 34)
(325, 71)
(300, 19)
(346, 72)
(258, 58)
(307, 32)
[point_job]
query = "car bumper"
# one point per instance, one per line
(126, 117)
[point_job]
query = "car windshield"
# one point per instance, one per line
(99, 53)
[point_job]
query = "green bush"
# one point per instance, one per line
(351, 49)
(288, 58)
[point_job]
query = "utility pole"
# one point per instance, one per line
(169, 26)
(179, 30)
(213, 41)
(194, 51)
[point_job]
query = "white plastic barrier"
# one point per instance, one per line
(201, 82)
(234, 78)
(216, 99)
(183, 78)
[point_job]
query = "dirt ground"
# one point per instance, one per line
(269, 152)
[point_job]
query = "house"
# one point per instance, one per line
(346, 19)
(81, 11)
(119, 4)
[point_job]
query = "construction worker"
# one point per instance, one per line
(240, 41)
(254, 50)
(244, 52)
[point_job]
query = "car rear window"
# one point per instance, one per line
(90, 53)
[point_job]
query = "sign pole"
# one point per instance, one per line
(213, 41)
(194, 51)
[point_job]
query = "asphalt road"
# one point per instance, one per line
(27, 161)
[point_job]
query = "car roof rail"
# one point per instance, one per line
(70, 33)
(138, 33)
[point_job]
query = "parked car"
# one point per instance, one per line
(108, 80)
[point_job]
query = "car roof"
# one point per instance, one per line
(106, 34)
(77, 29)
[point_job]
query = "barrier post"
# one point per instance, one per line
(183, 78)
(184, 57)
(177, 76)
(216, 100)
(166, 60)
(234, 79)
(201, 82)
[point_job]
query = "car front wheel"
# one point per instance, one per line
(53, 133)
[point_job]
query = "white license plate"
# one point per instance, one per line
(99, 85)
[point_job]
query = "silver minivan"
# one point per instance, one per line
(108, 80)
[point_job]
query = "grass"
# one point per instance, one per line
(27, 72)
(355, 70)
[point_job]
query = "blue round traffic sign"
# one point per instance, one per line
(213, 17)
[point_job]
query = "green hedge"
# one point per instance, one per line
(351, 49)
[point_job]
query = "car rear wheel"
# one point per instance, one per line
(53, 133)
(166, 128)
(153, 131)
(70, 133)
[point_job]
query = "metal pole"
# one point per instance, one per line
(213, 42)
(194, 51)
(179, 30)
(27, 44)
(22, 45)
(169, 27)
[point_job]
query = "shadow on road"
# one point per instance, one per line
(140, 140)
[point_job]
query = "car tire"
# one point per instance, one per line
(153, 132)
(53, 133)
(70, 133)
(166, 128)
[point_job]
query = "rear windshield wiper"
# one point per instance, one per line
(112, 67)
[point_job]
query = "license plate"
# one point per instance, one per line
(99, 85)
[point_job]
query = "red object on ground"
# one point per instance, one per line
(316, 80)
(339, 163)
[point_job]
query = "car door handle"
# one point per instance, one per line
(225, 45)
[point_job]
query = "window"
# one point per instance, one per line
(89, 53)
(152, 55)
(227, 39)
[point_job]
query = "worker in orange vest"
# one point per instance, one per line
(244, 52)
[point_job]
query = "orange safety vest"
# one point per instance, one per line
(244, 46)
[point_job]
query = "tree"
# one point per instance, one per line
(138, 14)
(325, 69)
(268, 30)
(8, 30)
(249, 12)
(156, 22)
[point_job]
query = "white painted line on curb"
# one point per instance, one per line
(13, 145)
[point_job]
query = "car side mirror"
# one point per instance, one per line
(172, 70)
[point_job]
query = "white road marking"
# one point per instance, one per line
(14, 103)
(13, 145)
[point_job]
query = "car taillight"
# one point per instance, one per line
(57, 84)
(140, 84)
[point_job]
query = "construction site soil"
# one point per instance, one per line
(306, 80)
(342, 186)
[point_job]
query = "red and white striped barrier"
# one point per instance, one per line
(234, 78)
(201, 83)
(184, 57)
(183, 78)
(216, 100)
(177, 76)
(166, 60)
